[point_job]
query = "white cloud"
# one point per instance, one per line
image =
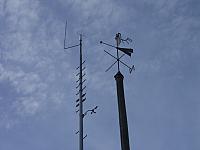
(35, 64)
(27, 106)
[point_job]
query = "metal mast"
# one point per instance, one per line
(80, 100)
(120, 88)
(81, 88)
(122, 112)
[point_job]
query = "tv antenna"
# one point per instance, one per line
(80, 87)
(127, 51)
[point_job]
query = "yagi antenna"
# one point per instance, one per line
(126, 51)
(81, 90)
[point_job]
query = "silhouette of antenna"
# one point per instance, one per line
(120, 87)
(127, 51)
(80, 87)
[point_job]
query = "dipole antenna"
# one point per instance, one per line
(80, 87)
(120, 87)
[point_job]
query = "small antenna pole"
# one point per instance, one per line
(80, 88)
(80, 100)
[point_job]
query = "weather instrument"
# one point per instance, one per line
(123, 124)
(125, 51)
(81, 88)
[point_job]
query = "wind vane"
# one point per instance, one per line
(126, 51)
(123, 123)
(81, 88)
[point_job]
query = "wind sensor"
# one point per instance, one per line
(120, 87)
(82, 95)
(126, 51)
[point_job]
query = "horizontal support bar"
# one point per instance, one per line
(71, 46)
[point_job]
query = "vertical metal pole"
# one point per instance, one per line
(122, 112)
(117, 40)
(80, 101)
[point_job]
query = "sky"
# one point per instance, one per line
(37, 77)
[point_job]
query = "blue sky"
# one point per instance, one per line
(37, 78)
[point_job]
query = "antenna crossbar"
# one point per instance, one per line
(71, 46)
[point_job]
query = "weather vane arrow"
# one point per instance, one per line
(127, 51)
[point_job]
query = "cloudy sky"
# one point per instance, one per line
(37, 78)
